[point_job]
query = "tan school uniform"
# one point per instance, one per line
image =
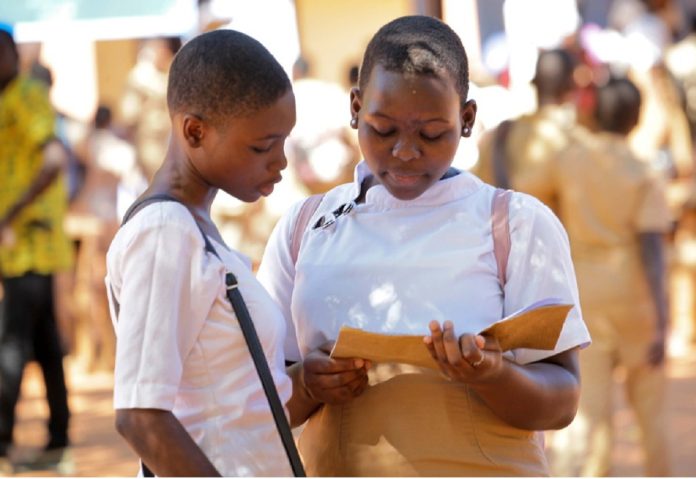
(449, 432)
(531, 146)
(608, 197)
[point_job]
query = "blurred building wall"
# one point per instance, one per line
(114, 58)
(334, 34)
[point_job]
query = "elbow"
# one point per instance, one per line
(564, 420)
(567, 414)
(124, 422)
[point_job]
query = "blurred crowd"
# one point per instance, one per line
(556, 146)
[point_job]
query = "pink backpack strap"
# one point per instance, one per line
(500, 215)
(307, 210)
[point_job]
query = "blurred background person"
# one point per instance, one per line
(663, 138)
(33, 247)
(615, 211)
(681, 61)
(322, 151)
(112, 182)
(519, 153)
(144, 102)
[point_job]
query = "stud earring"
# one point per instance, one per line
(354, 122)
(466, 131)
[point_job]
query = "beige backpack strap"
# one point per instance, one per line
(307, 210)
(500, 216)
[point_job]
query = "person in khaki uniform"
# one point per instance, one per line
(144, 103)
(517, 153)
(616, 215)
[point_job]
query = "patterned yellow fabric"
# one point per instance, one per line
(27, 122)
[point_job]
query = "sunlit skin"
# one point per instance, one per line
(409, 128)
(243, 156)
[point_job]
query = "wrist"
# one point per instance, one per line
(296, 372)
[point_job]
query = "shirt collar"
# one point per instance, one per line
(443, 191)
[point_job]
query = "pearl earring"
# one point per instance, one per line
(466, 131)
(354, 122)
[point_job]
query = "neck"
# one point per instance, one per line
(550, 100)
(178, 178)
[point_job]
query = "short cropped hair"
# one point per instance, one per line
(554, 73)
(617, 107)
(418, 45)
(224, 73)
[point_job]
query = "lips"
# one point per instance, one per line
(267, 188)
(402, 178)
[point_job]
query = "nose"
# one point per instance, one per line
(405, 148)
(279, 161)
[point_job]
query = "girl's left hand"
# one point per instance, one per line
(471, 358)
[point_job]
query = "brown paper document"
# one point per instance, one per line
(382, 348)
(535, 327)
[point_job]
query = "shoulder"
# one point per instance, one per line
(530, 216)
(24, 90)
(328, 201)
(169, 220)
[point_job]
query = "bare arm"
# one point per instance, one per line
(320, 379)
(538, 396)
(301, 404)
(54, 160)
(162, 443)
(652, 255)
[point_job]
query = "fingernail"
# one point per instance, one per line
(359, 363)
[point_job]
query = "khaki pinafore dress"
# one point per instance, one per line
(414, 421)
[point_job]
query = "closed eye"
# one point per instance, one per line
(259, 149)
(432, 137)
(382, 133)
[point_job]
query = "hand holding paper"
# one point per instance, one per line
(536, 327)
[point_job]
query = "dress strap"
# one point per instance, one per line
(500, 218)
(307, 210)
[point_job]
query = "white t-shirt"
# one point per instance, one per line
(392, 266)
(179, 344)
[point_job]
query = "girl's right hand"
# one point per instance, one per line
(331, 380)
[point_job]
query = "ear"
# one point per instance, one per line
(468, 117)
(355, 106)
(193, 129)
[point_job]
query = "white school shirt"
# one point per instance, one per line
(180, 347)
(392, 266)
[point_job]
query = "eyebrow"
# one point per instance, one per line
(429, 120)
(272, 136)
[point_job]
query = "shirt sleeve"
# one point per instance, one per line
(540, 267)
(277, 274)
(653, 214)
(167, 287)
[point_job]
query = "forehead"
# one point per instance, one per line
(391, 91)
(274, 120)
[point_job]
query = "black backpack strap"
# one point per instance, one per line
(253, 343)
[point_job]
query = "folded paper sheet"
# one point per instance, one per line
(536, 327)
